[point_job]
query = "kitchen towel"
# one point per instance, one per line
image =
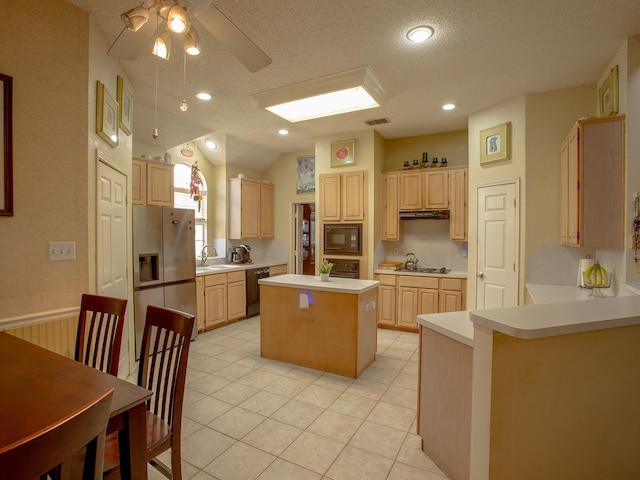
(584, 264)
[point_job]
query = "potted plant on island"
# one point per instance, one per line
(325, 269)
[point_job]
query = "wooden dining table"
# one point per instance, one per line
(38, 387)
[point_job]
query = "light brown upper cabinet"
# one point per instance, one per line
(152, 183)
(592, 184)
(250, 209)
(458, 203)
(420, 190)
(342, 196)
(390, 215)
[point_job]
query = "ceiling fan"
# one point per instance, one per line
(136, 37)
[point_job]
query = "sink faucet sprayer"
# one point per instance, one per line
(204, 256)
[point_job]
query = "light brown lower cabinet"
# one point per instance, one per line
(277, 270)
(222, 299)
(401, 298)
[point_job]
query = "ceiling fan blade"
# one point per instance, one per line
(129, 44)
(232, 38)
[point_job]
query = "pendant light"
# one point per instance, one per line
(187, 151)
(184, 105)
(155, 113)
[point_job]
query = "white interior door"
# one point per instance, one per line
(111, 248)
(497, 266)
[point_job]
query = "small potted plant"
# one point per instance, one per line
(325, 269)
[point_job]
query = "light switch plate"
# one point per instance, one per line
(62, 251)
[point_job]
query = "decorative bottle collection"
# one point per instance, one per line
(425, 162)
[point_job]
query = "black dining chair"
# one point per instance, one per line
(99, 335)
(163, 370)
(57, 448)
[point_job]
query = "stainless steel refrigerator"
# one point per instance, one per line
(164, 262)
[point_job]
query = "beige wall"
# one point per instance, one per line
(51, 107)
(454, 146)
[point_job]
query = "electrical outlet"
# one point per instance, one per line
(62, 251)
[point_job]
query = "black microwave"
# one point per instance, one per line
(343, 239)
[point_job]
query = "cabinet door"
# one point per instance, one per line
(266, 211)
(427, 301)
(353, 196)
(436, 189)
(390, 217)
(407, 307)
(250, 209)
(387, 305)
(159, 184)
(215, 304)
(458, 182)
(237, 300)
(139, 182)
(410, 192)
(450, 301)
(572, 191)
(564, 191)
(200, 310)
(330, 197)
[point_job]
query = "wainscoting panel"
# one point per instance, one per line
(57, 335)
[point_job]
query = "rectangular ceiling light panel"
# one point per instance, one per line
(350, 91)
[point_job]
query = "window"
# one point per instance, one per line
(182, 199)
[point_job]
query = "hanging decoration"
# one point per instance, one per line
(196, 183)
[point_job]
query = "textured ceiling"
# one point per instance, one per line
(482, 53)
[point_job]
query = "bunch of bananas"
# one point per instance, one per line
(596, 276)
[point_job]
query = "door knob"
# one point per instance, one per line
(480, 275)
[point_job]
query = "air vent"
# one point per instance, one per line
(377, 121)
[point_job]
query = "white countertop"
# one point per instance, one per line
(231, 267)
(550, 319)
(455, 325)
(543, 293)
(452, 273)
(341, 285)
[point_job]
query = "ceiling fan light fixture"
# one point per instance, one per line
(177, 19)
(135, 18)
(350, 91)
(162, 45)
(191, 42)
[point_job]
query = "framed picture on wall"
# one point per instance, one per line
(125, 106)
(343, 153)
(6, 140)
(306, 175)
(494, 143)
(608, 94)
(106, 115)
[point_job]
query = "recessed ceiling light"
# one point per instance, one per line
(283, 131)
(203, 96)
(210, 144)
(420, 34)
(448, 106)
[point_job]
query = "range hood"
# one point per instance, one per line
(424, 214)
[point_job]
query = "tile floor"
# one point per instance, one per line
(247, 417)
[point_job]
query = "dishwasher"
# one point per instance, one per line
(253, 289)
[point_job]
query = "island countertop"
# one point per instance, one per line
(455, 325)
(335, 284)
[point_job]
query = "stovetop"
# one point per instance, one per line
(443, 270)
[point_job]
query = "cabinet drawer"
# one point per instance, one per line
(451, 284)
(236, 276)
(418, 282)
(386, 279)
(215, 279)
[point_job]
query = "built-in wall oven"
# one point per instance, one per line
(344, 268)
(343, 239)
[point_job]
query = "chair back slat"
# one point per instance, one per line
(53, 449)
(99, 336)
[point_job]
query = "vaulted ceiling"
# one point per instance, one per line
(482, 53)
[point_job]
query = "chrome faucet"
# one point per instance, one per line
(204, 256)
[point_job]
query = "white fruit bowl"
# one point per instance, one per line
(596, 287)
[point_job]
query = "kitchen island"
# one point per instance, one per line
(328, 326)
